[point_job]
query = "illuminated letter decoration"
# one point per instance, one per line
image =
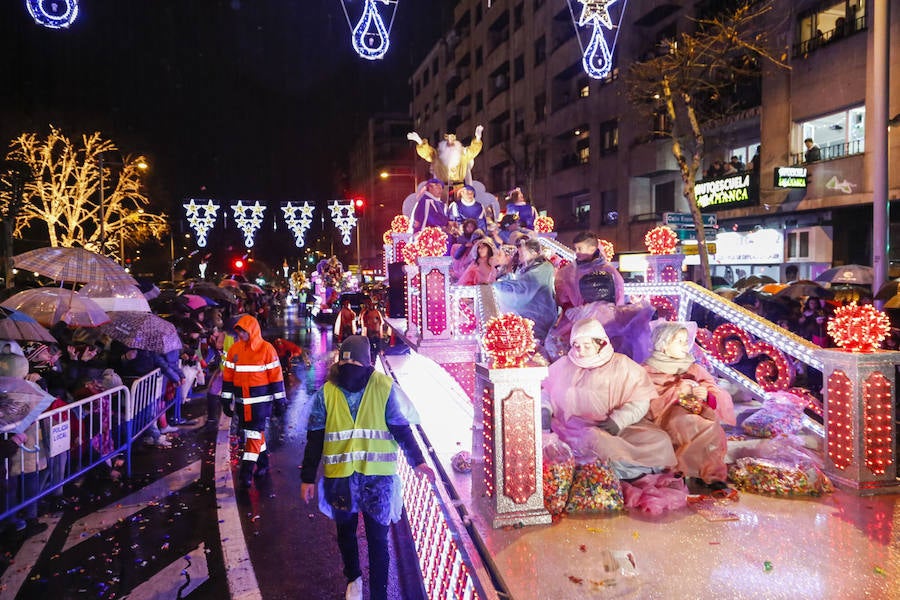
(248, 219)
(344, 219)
(201, 218)
(54, 14)
(298, 224)
(370, 37)
(597, 57)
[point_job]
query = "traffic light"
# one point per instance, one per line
(238, 265)
(359, 203)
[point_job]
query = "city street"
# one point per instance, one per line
(171, 532)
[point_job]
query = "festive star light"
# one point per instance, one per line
(370, 37)
(298, 225)
(201, 218)
(344, 219)
(597, 57)
(53, 15)
(248, 223)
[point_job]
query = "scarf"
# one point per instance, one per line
(664, 363)
(352, 377)
(594, 257)
(592, 362)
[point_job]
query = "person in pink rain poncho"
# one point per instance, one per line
(598, 401)
(690, 405)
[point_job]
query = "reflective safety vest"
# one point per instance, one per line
(365, 446)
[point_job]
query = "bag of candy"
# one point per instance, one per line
(559, 465)
(595, 488)
(778, 416)
(775, 477)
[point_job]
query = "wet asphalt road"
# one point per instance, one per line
(156, 535)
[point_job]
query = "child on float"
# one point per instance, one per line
(689, 404)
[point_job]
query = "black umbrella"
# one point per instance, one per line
(803, 288)
(888, 290)
(855, 274)
(752, 281)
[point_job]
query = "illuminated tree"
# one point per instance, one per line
(697, 80)
(62, 200)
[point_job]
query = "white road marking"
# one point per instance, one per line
(167, 583)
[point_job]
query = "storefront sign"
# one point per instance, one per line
(724, 192)
(761, 247)
(790, 177)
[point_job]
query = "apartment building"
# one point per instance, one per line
(585, 157)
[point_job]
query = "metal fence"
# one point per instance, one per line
(66, 442)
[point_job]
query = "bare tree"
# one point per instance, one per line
(696, 79)
(64, 193)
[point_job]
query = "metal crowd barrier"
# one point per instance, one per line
(65, 443)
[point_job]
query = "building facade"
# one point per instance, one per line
(584, 155)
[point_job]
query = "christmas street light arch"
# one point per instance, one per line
(248, 219)
(201, 217)
(298, 219)
(53, 14)
(370, 37)
(597, 56)
(344, 218)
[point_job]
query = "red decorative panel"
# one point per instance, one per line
(465, 317)
(878, 434)
(464, 374)
(519, 479)
(730, 344)
(840, 419)
(487, 423)
(436, 302)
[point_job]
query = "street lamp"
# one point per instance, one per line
(142, 165)
(389, 174)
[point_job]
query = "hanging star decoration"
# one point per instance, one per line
(53, 15)
(344, 218)
(298, 225)
(249, 219)
(597, 56)
(370, 37)
(201, 218)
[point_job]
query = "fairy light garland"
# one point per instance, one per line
(661, 240)
(878, 433)
(544, 224)
(858, 328)
(509, 340)
(840, 419)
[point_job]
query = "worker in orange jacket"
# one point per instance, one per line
(252, 378)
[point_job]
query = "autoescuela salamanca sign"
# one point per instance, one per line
(717, 193)
(790, 177)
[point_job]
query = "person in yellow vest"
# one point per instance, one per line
(358, 420)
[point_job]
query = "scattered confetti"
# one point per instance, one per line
(767, 566)
(583, 548)
(880, 571)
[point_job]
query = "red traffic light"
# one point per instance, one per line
(359, 203)
(238, 263)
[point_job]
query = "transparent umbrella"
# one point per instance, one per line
(72, 264)
(49, 305)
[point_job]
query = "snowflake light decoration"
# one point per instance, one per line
(53, 14)
(344, 219)
(298, 219)
(858, 328)
(544, 224)
(249, 219)
(661, 240)
(201, 217)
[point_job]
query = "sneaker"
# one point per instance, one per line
(168, 429)
(354, 590)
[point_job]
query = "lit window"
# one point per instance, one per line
(837, 135)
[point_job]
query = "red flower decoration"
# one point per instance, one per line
(858, 328)
(431, 241)
(509, 340)
(543, 224)
(386, 237)
(409, 253)
(400, 224)
(661, 240)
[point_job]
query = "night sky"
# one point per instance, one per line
(252, 99)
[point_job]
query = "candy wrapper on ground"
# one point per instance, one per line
(656, 493)
(776, 417)
(559, 467)
(779, 478)
(595, 488)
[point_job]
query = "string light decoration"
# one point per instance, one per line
(201, 218)
(431, 241)
(878, 433)
(248, 219)
(729, 344)
(344, 218)
(400, 224)
(858, 328)
(661, 240)
(840, 419)
(519, 479)
(298, 218)
(508, 340)
(53, 14)
(386, 237)
(597, 56)
(409, 252)
(370, 37)
(436, 302)
(544, 224)
(609, 251)
(487, 424)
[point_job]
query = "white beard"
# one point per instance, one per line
(450, 154)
